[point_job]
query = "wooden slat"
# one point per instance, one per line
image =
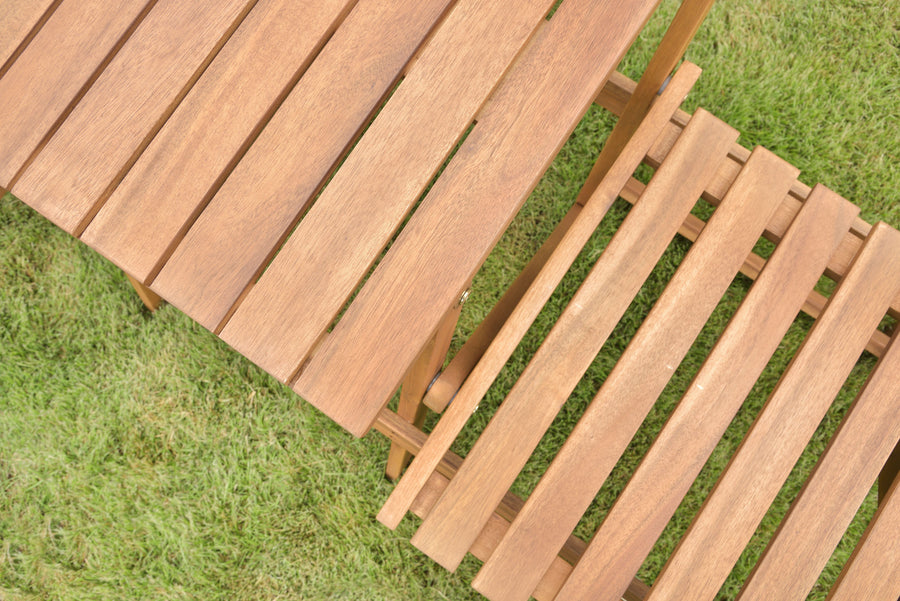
(523, 127)
(573, 343)
(741, 497)
(665, 475)
(345, 230)
(47, 77)
(639, 377)
(873, 571)
(20, 21)
(273, 184)
(835, 490)
(87, 156)
(535, 296)
(190, 156)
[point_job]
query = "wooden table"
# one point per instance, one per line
(197, 145)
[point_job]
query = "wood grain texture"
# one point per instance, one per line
(566, 490)
(835, 490)
(343, 233)
(570, 347)
(641, 512)
(39, 87)
(175, 176)
(527, 308)
(19, 22)
(90, 152)
(758, 469)
(873, 571)
(437, 254)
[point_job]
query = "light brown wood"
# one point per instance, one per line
(873, 571)
(150, 299)
(272, 186)
(517, 135)
(52, 71)
(195, 150)
(369, 196)
(642, 511)
(670, 50)
(20, 21)
(835, 490)
(549, 276)
(90, 152)
(570, 347)
(744, 492)
(629, 392)
(420, 375)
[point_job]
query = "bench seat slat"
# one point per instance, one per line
(573, 343)
(19, 21)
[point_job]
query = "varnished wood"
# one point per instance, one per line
(672, 47)
(52, 72)
(873, 571)
(150, 299)
(370, 195)
(834, 492)
(536, 295)
(20, 21)
(518, 133)
(567, 352)
(165, 190)
(744, 492)
(416, 382)
(638, 378)
(889, 474)
(85, 159)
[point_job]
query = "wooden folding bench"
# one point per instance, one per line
(295, 139)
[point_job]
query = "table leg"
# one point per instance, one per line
(672, 47)
(151, 299)
(415, 385)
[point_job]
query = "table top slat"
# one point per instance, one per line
(567, 488)
(571, 346)
(93, 148)
(344, 232)
(776, 439)
(237, 233)
(18, 21)
(522, 128)
(50, 72)
(176, 175)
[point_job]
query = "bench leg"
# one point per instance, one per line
(150, 299)
(672, 47)
(415, 385)
(889, 473)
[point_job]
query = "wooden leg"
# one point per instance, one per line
(415, 385)
(151, 299)
(674, 43)
(888, 474)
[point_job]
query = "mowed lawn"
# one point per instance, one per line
(141, 458)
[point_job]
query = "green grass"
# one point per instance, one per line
(140, 458)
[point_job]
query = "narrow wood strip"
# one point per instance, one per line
(835, 490)
(63, 56)
(370, 195)
(20, 21)
(518, 134)
(573, 343)
(202, 140)
(758, 469)
(873, 571)
(102, 137)
(514, 328)
(638, 378)
(665, 475)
